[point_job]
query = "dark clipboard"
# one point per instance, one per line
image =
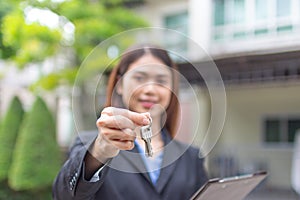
(236, 188)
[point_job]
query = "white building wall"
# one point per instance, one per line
(154, 11)
(242, 136)
(200, 26)
(201, 29)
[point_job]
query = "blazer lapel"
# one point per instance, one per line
(171, 154)
(131, 162)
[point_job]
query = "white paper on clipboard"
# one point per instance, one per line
(232, 188)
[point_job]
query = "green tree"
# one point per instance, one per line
(5, 8)
(93, 22)
(8, 134)
(27, 42)
(83, 24)
(36, 158)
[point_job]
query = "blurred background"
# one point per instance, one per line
(254, 43)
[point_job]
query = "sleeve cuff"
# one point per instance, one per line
(96, 176)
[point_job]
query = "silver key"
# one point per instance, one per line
(146, 135)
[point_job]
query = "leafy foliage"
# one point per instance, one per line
(5, 8)
(36, 159)
(93, 22)
(96, 24)
(9, 194)
(8, 134)
(52, 80)
(30, 42)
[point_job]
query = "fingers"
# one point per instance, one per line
(117, 122)
(115, 134)
(116, 127)
(139, 119)
(121, 139)
(123, 145)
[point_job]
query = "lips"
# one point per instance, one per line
(147, 104)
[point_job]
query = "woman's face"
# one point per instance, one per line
(147, 85)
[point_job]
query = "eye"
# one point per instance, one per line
(162, 81)
(139, 78)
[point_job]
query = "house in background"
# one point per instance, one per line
(256, 46)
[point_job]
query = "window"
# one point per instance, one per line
(229, 14)
(176, 42)
(219, 18)
(283, 8)
(222, 14)
(261, 13)
(281, 129)
(293, 127)
(239, 12)
(240, 19)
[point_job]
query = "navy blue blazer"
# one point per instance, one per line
(126, 176)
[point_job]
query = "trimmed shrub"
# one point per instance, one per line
(37, 157)
(9, 194)
(8, 134)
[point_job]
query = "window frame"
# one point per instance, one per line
(274, 25)
(181, 46)
(284, 129)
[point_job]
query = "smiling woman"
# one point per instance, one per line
(143, 86)
(140, 61)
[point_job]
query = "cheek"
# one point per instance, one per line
(129, 92)
(166, 96)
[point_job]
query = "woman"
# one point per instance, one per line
(141, 91)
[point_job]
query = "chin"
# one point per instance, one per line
(139, 109)
(155, 113)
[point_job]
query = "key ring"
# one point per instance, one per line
(150, 124)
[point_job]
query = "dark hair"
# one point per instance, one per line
(131, 55)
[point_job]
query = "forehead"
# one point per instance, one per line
(149, 64)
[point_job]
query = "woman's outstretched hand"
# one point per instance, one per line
(116, 131)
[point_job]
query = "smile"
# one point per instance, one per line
(147, 104)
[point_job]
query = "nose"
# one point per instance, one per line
(149, 87)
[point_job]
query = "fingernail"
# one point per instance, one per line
(146, 121)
